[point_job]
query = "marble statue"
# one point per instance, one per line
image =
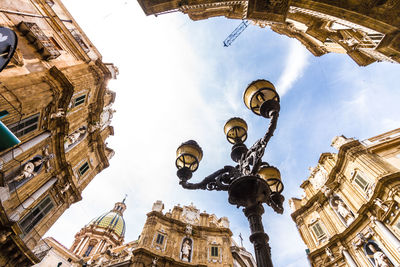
(186, 248)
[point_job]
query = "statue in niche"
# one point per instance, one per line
(380, 204)
(186, 250)
(376, 255)
(342, 210)
(329, 254)
(60, 113)
(30, 168)
(75, 137)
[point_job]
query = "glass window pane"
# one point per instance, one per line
(36, 214)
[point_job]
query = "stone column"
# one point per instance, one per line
(348, 257)
(79, 245)
(387, 233)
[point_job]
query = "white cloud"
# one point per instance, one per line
(296, 62)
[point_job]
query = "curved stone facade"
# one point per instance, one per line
(55, 92)
(367, 31)
(350, 214)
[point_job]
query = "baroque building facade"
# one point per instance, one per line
(181, 237)
(366, 30)
(54, 92)
(350, 214)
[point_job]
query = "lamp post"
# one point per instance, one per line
(251, 182)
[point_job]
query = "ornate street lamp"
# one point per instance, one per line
(251, 182)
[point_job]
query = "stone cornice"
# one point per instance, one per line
(182, 224)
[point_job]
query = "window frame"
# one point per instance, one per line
(40, 209)
(214, 249)
(160, 237)
(323, 235)
(358, 178)
(83, 168)
(88, 250)
(17, 125)
(80, 102)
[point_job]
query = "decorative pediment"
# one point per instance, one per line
(314, 216)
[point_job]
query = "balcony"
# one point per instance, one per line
(39, 40)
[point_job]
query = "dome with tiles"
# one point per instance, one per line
(112, 220)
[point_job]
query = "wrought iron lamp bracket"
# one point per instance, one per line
(255, 153)
(219, 180)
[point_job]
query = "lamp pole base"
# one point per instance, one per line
(258, 237)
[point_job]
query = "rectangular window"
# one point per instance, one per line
(361, 182)
(25, 126)
(214, 251)
(89, 249)
(84, 168)
(160, 239)
(36, 215)
(319, 233)
(78, 101)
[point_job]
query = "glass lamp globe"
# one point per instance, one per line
(188, 155)
(260, 97)
(236, 130)
(273, 178)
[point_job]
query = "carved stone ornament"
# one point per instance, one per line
(189, 229)
(106, 116)
(327, 191)
(60, 113)
(158, 206)
(313, 217)
(318, 177)
(339, 141)
(154, 262)
(329, 254)
(381, 205)
(191, 215)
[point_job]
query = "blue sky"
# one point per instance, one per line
(178, 82)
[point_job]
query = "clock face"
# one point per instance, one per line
(190, 216)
